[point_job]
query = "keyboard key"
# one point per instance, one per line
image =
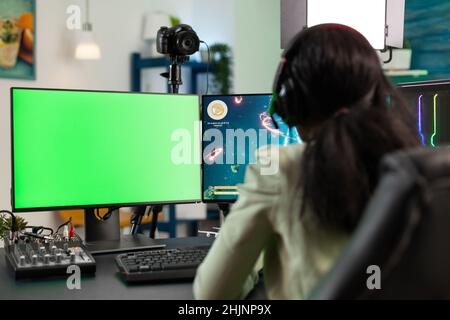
(144, 268)
(156, 267)
(179, 266)
(133, 269)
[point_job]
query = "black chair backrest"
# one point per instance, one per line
(405, 231)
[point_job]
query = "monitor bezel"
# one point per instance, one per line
(202, 132)
(430, 83)
(111, 205)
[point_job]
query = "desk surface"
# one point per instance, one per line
(107, 284)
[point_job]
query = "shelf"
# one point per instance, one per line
(403, 76)
(138, 64)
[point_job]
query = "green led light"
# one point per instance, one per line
(434, 121)
(272, 110)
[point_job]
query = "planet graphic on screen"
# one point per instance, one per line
(210, 193)
(217, 110)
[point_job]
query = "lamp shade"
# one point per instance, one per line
(368, 17)
(87, 47)
(380, 21)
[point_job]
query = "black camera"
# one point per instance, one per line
(180, 40)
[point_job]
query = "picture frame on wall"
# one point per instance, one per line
(18, 39)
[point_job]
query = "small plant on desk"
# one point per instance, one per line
(6, 224)
(3, 231)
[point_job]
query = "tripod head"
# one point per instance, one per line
(174, 75)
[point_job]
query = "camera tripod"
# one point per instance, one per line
(174, 74)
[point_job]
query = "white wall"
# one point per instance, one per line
(214, 20)
(257, 45)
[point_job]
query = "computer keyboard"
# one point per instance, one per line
(161, 265)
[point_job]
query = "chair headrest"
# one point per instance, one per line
(405, 231)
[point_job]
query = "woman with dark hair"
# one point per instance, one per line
(330, 85)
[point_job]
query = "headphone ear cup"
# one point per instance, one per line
(284, 98)
(288, 103)
(282, 104)
(274, 106)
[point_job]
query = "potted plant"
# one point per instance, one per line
(10, 36)
(6, 224)
(221, 64)
(3, 229)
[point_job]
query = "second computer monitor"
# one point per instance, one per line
(234, 128)
(430, 102)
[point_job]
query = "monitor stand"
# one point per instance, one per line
(224, 210)
(103, 237)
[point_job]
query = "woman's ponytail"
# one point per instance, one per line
(340, 165)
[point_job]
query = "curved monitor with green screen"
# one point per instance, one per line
(81, 149)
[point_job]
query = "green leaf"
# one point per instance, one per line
(9, 35)
(6, 223)
(175, 21)
(3, 229)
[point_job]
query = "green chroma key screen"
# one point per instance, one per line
(80, 148)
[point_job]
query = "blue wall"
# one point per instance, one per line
(427, 26)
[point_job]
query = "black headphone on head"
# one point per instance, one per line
(284, 100)
(283, 97)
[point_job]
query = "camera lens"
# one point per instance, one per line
(188, 43)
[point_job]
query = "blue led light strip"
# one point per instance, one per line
(422, 136)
